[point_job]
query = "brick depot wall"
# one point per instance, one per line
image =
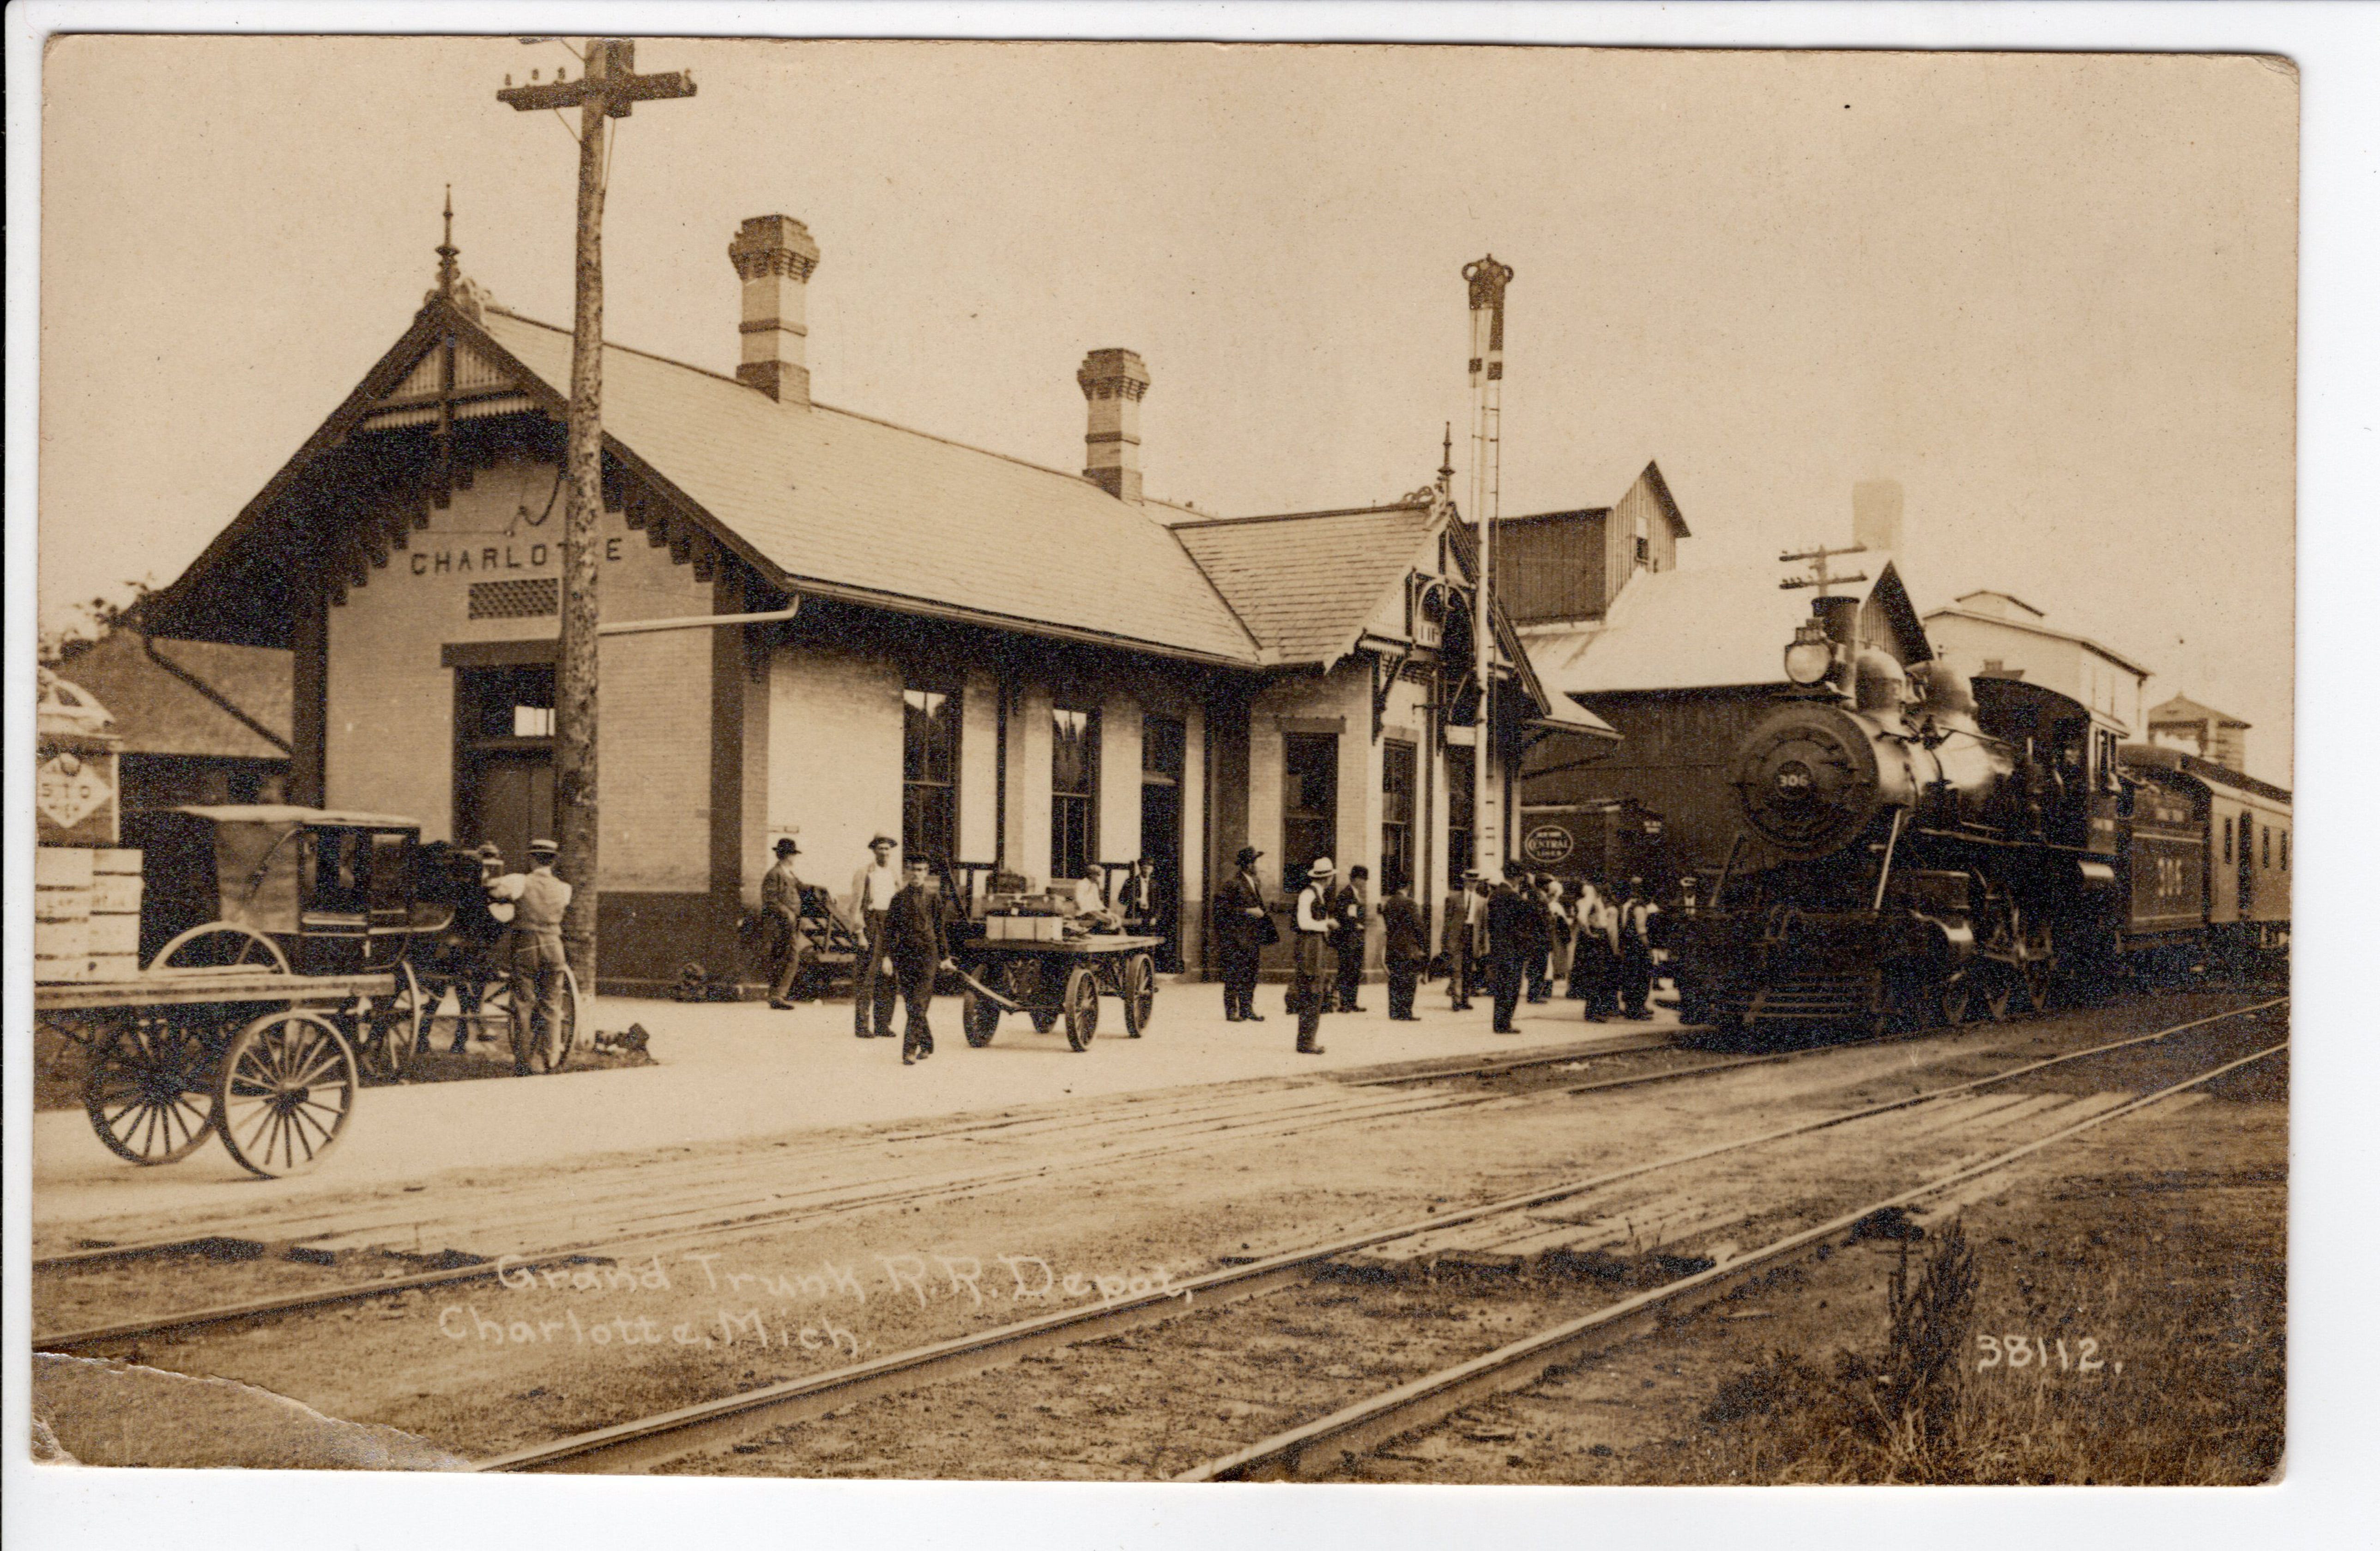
(1120, 738)
(834, 756)
(390, 704)
(979, 770)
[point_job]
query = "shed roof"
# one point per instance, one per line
(193, 699)
(1697, 629)
(2181, 708)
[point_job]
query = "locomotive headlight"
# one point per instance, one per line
(1810, 656)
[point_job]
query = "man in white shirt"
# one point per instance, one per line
(532, 950)
(873, 990)
(1314, 923)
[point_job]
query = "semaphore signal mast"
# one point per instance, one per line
(1488, 278)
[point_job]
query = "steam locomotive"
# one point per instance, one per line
(1921, 847)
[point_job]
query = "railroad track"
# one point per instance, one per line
(1335, 1440)
(675, 1434)
(1133, 1133)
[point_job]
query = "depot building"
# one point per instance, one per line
(820, 624)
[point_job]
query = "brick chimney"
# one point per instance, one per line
(1112, 382)
(773, 255)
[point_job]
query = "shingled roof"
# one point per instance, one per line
(193, 699)
(826, 496)
(1305, 583)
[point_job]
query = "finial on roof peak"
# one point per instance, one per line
(455, 288)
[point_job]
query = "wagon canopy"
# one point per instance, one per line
(254, 865)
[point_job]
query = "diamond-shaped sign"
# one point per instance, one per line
(68, 791)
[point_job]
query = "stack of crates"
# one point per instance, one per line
(86, 913)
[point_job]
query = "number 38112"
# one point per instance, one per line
(2032, 1351)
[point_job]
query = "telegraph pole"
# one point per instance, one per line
(608, 88)
(1488, 278)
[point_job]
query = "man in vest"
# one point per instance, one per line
(533, 953)
(872, 990)
(1310, 996)
(780, 907)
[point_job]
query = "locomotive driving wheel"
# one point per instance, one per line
(1956, 1001)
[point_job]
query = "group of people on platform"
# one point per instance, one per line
(1511, 939)
(901, 919)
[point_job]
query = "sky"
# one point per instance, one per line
(2052, 295)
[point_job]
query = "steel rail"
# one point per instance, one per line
(656, 1440)
(1342, 1436)
(221, 1313)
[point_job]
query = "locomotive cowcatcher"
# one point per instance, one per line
(1911, 851)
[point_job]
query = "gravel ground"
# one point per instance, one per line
(886, 1280)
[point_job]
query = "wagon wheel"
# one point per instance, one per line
(222, 945)
(565, 1036)
(552, 1052)
(979, 1017)
(288, 1086)
(1140, 994)
(146, 1089)
(1082, 1007)
(391, 1028)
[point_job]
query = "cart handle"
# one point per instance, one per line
(983, 990)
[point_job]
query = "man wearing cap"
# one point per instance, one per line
(917, 941)
(1243, 927)
(1348, 912)
(1310, 996)
(872, 990)
(533, 953)
(780, 907)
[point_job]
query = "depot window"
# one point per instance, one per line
(1397, 764)
(2285, 850)
(2227, 840)
(1460, 807)
(1074, 789)
(1309, 799)
(930, 772)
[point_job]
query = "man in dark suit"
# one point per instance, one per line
(1515, 934)
(1347, 917)
(1406, 948)
(1242, 926)
(1636, 912)
(918, 946)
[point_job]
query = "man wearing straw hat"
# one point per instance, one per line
(534, 953)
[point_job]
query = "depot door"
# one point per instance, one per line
(1161, 744)
(503, 759)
